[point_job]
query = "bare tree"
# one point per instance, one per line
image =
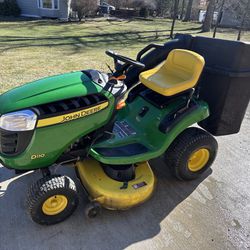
(162, 7)
(188, 11)
(126, 3)
(209, 16)
(84, 8)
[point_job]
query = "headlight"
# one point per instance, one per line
(18, 121)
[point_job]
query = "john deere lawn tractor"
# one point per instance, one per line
(109, 125)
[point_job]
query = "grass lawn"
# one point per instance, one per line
(33, 49)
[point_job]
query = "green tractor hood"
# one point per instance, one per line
(47, 90)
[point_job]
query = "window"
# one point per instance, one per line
(55, 4)
(48, 4)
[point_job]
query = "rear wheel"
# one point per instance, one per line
(52, 199)
(191, 153)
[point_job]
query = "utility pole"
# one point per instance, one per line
(218, 18)
(176, 4)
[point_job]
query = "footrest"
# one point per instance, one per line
(121, 151)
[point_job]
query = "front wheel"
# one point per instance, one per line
(191, 153)
(92, 210)
(52, 199)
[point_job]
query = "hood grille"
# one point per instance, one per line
(69, 105)
(14, 143)
(8, 142)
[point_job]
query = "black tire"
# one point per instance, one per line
(48, 188)
(184, 146)
(92, 210)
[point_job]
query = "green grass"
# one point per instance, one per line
(33, 49)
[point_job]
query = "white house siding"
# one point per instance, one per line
(228, 19)
(30, 8)
(64, 9)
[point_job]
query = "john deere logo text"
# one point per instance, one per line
(72, 116)
(80, 114)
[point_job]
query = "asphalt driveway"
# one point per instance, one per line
(211, 213)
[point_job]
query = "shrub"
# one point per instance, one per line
(9, 8)
(84, 8)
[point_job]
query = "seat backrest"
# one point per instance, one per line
(185, 64)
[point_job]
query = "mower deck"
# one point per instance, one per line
(112, 194)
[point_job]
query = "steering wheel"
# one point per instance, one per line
(126, 60)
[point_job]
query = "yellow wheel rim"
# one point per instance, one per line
(54, 205)
(198, 159)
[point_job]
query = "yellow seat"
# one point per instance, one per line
(180, 72)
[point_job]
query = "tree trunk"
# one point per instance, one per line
(209, 16)
(188, 11)
(182, 9)
(243, 20)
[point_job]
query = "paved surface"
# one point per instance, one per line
(211, 213)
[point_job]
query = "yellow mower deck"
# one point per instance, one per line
(109, 193)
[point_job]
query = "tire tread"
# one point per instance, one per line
(182, 144)
(43, 187)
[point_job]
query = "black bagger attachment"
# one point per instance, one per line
(225, 81)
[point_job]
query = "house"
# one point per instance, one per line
(231, 15)
(45, 8)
